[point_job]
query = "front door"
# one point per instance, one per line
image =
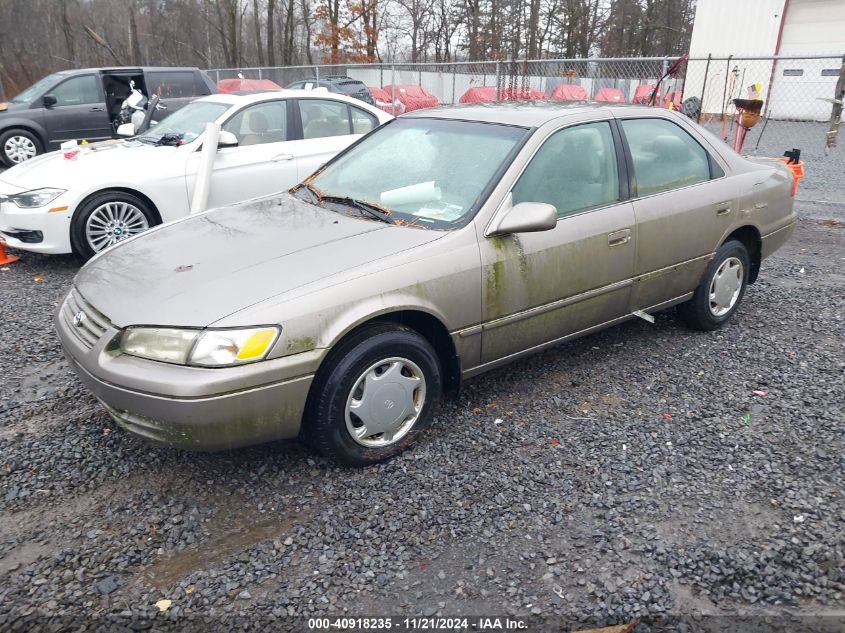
(540, 287)
(261, 164)
(79, 112)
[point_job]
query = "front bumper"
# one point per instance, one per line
(191, 407)
(17, 225)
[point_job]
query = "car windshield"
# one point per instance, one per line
(425, 172)
(189, 121)
(36, 89)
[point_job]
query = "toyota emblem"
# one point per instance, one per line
(78, 318)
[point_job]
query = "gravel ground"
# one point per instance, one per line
(635, 470)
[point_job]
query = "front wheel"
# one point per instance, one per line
(375, 396)
(17, 146)
(721, 290)
(106, 219)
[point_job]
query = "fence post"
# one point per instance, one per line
(662, 74)
(703, 87)
(454, 75)
(725, 91)
(381, 76)
(218, 76)
(836, 110)
(3, 90)
(498, 80)
(419, 76)
(393, 89)
(317, 72)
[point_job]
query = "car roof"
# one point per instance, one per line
(125, 69)
(245, 97)
(525, 113)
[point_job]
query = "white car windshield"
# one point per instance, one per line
(189, 121)
(425, 172)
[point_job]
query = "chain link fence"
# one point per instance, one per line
(801, 95)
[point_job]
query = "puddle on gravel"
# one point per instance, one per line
(239, 531)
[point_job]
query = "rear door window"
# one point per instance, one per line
(665, 157)
(77, 91)
(323, 117)
(362, 122)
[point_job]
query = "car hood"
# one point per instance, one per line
(95, 164)
(196, 271)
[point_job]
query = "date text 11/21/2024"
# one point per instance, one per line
(421, 623)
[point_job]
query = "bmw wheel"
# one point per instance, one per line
(106, 219)
(375, 395)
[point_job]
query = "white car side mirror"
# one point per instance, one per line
(126, 130)
(227, 139)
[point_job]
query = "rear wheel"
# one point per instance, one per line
(375, 396)
(721, 290)
(106, 219)
(17, 146)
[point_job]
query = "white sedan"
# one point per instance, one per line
(111, 191)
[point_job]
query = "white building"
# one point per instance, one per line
(798, 89)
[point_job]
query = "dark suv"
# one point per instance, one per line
(84, 104)
(337, 83)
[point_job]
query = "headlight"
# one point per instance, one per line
(35, 198)
(204, 348)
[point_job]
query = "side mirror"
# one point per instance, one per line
(226, 139)
(525, 217)
(126, 130)
(49, 101)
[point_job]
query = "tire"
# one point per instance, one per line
(340, 393)
(714, 302)
(17, 146)
(114, 215)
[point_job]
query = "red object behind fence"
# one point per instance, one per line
(479, 94)
(570, 92)
(413, 97)
(642, 95)
(233, 85)
(610, 95)
(384, 102)
(522, 94)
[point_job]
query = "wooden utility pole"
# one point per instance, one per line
(836, 110)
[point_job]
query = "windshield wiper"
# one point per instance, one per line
(373, 210)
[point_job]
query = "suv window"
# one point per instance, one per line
(665, 157)
(172, 84)
(77, 91)
(260, 123)
(323, 117)
(575, 169)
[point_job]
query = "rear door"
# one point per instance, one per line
(326, 126)
(79, 112)
(263, 162)
(684, 203)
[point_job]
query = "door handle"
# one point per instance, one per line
(97, 109)
(723, 208)
(617, 238)
(281, 157)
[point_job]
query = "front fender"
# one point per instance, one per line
(15, 122)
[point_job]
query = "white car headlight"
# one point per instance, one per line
(35, 198)
(203, 348)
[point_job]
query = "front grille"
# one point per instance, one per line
(90, 326)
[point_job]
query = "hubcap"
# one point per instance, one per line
(112, 222)
(19, 148)
(385, 402)
(725, 286)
